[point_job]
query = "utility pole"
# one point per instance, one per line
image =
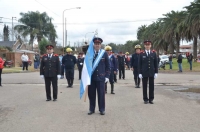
(12, 30)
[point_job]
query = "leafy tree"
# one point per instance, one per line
(42, 45)
(36, 24)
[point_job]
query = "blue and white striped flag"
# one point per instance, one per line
(88, 68)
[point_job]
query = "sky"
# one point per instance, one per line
(115, 21)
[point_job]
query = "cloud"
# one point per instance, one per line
(93, 15)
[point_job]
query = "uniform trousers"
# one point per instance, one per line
(151, 88)
(121, 72)
(54, 81)
(100, 87)
(80, 71)
(69, 73)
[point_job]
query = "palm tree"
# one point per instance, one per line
(36, 24)
(170, 30)
(191, 24)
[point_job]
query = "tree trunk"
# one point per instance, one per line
(195, 48)
(31, 41)
(171, 47)
(177, 45)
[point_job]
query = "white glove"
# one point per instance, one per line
(140, 76)
(58, 76)
(81, 63)
(42, 76)
(106, 80)
(155, 76)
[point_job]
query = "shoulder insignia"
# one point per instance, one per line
(153, 51)
(55, 54)
(45, 55)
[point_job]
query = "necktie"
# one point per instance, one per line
(147, 53)
(95, 56)
(49, 56)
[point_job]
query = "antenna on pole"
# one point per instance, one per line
(96, 33)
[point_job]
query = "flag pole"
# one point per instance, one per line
(86, 93)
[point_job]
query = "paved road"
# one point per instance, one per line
(23, 107)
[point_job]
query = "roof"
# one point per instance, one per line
(185, 46)
(22, 51)
(7, 43)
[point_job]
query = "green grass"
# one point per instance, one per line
(185, 66)
(15, 70)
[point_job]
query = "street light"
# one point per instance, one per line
(64, 22)
(86, 34)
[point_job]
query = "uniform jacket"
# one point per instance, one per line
(117, 63)
(50, 67)
(102, 70)
(69, 61)
(121, 61)
(148, 65)
(80, 60)
(113, 62)
(134, 60)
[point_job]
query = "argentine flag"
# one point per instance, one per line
(87, 69)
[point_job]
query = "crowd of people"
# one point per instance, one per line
(107, 65)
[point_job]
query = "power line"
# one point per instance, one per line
(46, 8)
(96, 22)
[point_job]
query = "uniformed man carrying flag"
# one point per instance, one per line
(134, 65)
(68, 63)
(148, 70)
(50, 71)
(100, 76)
(113, 68)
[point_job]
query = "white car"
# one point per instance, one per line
(164, 58)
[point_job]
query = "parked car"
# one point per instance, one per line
(164, 58)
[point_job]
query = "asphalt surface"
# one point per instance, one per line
(23, 107)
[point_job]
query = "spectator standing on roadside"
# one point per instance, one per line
(170, 61)
(179, 60)
(36, 60)
(190, 58)
(24, 59)
(1, 68)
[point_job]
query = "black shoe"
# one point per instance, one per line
(145, 102)
(151, 102)
(124, 78)
(106, 92)
(90, 112)
(102, 113)
(138, 86)
(68, 86)
(112, 93)
(54, 99)
(48, 100)
(1, 86)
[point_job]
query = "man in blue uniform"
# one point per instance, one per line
(148, 70)
(121, 62)
(50, 71)
(68, 62)
(134, 65)
(113, 68)
(100, 76)
(80, 61)
(117, 65)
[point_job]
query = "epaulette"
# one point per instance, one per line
(141, 52)
(45, 55)
(153, 51)
(55, 54)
